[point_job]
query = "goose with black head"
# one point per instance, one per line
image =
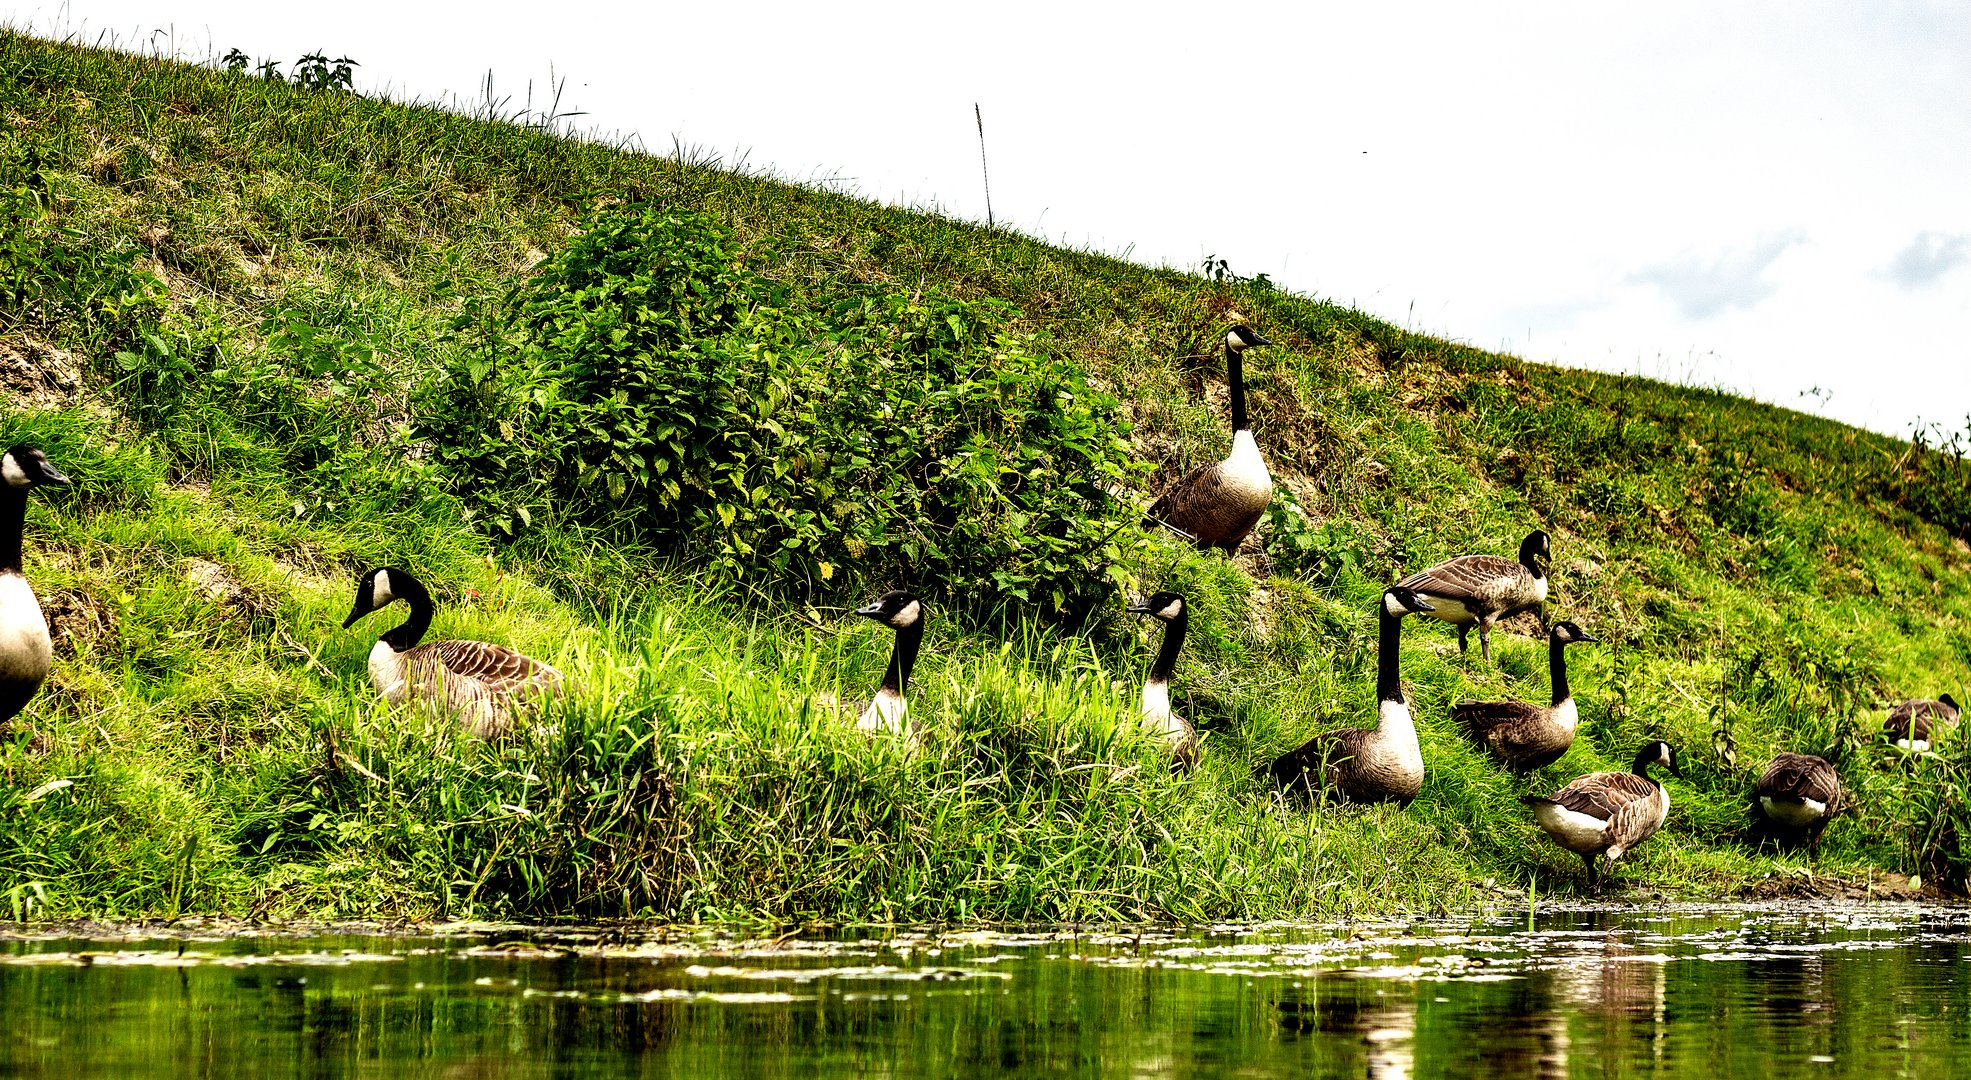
(1217, 505)
(1523, 736)
(903, 613)
(1479, 590)
(26, 651)
(1159, 720)
(1605, 814)
(483, 684)
(1380, 764)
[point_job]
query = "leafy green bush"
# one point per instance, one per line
(646, 379)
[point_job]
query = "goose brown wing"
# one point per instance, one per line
(1800, 776)
(1637, 819)
(1604, 794)
(499, 669)
(1188, 498)
(1482, 718)
(1467, 577)
(1310, 764)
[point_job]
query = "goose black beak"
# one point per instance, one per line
(870, 611)
(1419, 604)
(50, 475)
(1588, 637)
(353, 616)
(1137, 609)
(1258, 338)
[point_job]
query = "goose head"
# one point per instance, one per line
(896, 609)
(1242, 337)
(1657, 753)
(1399, 601)
(26, 466)
(1568, 633)
(378, 588)
(1536, 552)
(1164, 606)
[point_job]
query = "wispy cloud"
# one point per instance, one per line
(1928, 257)
(1702, 287)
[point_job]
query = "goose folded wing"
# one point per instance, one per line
(1800, 776)
(1468, 577)
(1187, 496)
(1603, 795)
(1633, 821)
(499, 669)
(1486, 717)
(1310, 762)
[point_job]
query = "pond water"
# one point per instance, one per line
(1766, 992)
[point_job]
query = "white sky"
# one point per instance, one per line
(1769, 197)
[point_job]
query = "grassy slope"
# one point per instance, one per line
(226, 753)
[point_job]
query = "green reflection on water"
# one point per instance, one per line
(1827, 992)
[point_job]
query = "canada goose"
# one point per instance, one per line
(480, 682)
(1521, 735)
(1912, 723)
(903, 613)
(1158, 719)
(1218, 504)
(1796, 794)
(25, 651)
(1479, 590)
(1380, 764)
(1607, 813)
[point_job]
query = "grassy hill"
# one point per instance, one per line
(262, 327)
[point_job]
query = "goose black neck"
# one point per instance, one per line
(903, 656)
(1530, 560)
(1557, 666)
(1643, 762)
(1389, 646)
(1235, 373)
(13, 516)
(412, 631)
(1173, 642)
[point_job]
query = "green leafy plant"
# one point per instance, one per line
(316, 71)
(645, 378)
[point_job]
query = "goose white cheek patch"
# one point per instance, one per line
(11, 471)
(380, 593)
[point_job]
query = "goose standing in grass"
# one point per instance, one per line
(1523, 736)
(903, 613)
(1479, 590)
(1913, 724)
(1795, 797)
(1158, 719)
(1379, 764)
(25, 649)
(481, 683)
(1606, 813)
(1218, 504)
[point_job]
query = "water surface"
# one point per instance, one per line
(1765, 992)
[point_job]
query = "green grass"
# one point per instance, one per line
(1763, 579)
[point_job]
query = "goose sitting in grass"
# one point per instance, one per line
(1216, 505)
(1159, 720)
(1479, 590)
(904, 614)
(1523, 736)
(26, 652)
(1605, 814)
(483, 684)
(1794, 798)
(1379, 764)
(1913, 725)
